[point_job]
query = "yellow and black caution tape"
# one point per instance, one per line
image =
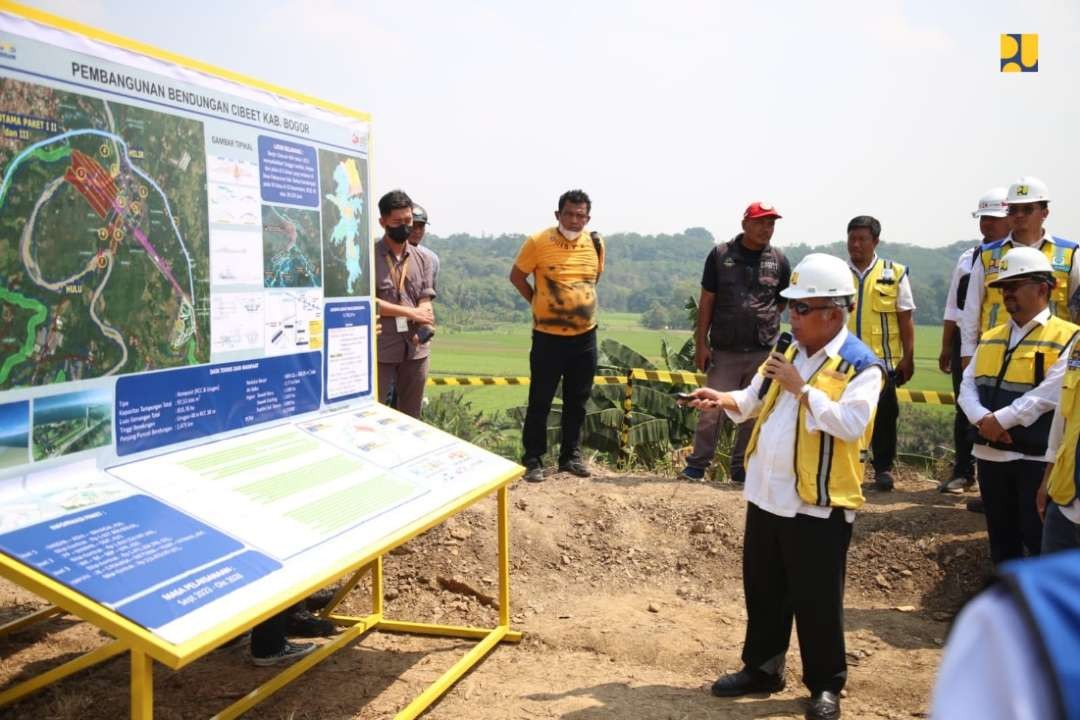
(487, 380)
(925, 396)
(928, 397)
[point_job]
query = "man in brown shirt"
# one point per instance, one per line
(404, 288)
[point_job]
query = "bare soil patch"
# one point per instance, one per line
(629, 589)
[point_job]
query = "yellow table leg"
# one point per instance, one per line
(377, 587)
(504, 556)
(32, 619)
(45, 679)
(142, 686)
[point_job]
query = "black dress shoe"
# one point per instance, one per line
(823, 706)
(747, 682)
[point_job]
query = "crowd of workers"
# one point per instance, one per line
(812, 408)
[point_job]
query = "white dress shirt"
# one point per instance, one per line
(904, 299)
(1057, 431)
(963, 267)
(770, 472)
(1025, 409)
(991, 669)
(971, 315)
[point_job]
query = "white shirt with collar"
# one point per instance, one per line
(1025, 409)
(963, 268)
(904, 299)
(770, 472)
(971, 315)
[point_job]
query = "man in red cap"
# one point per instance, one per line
(737, 324)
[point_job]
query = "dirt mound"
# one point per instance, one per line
(630, 590)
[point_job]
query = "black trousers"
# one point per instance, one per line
(571, 359)
(268, 637)
(795, 567)
(883, 441)
(964, 462)
(1008, 491)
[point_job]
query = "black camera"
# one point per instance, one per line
(425, 333)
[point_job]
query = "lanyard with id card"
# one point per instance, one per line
(397, 275)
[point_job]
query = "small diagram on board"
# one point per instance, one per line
(345, 232)
(291, 249)
(68, 423)
(294, 321)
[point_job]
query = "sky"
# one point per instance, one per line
(670, 115)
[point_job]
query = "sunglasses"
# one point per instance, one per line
(802, 309)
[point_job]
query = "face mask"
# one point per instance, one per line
(570, 235)
(398, 233)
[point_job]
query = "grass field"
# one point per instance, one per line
(504, 351)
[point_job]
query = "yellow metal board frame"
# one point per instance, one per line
(145, 648)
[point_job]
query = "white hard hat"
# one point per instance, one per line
(820, 275)
(1028, 189)
(1022, 261)
(993, 204)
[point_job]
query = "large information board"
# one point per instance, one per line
(187, 418)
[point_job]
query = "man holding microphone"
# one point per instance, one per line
(814, 404)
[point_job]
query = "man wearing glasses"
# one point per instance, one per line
(1028, 207)
(815, 406)
(1009, 393)
(565, 263)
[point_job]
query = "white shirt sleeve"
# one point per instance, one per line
(968, 400)
(904, 299)
(963, 265)
(1041, 399)
(990, 668)
(969, 318)
(747, 400)
(846, 418)
(1074, 276)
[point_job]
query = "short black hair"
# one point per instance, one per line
(394, 200)
(577, 197)
(865, 221)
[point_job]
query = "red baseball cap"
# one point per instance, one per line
(759, 209)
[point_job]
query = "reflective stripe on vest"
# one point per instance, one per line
(1063, 480)
(1059, 251)
(828, 471)
(874, 319)
(1003, 375)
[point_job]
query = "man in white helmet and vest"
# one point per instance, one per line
(1057, 500)
(1028, 207)
(1009, 393)
(994, 225)
(815, 406)
(883, 319)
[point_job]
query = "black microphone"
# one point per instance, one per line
(782, 344)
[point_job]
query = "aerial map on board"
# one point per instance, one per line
(103, 238)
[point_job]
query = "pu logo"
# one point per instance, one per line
(794, 278)
(1020, 52)
(1022, 190)
(1003, 264)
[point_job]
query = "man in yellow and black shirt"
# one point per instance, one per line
(883, 319)
(814, 406)
(1009, 393)
(565, 263)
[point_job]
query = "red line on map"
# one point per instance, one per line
(93, 181)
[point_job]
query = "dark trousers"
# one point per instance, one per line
(268, 637)
(963, 441)
(1059, 532)
(795, 567)
(571, 359)
(1008, 491)
(883, 442)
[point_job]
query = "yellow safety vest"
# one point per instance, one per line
(874, 319)
(1059, 251)
(828, 471)
(1063, 480)
(1002, 375)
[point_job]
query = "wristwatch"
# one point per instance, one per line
(802, 391)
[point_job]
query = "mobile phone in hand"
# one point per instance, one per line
(683, 397)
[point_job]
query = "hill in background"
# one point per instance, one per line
(648, 274)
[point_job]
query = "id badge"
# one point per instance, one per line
(402, 323)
